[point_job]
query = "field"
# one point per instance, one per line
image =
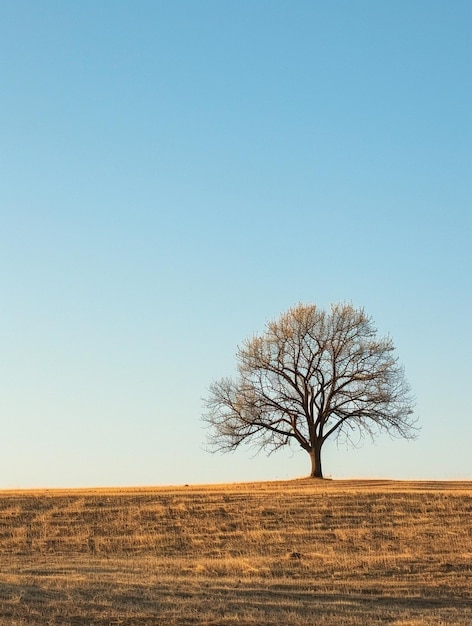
(337, 553)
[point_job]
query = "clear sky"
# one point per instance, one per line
(175, 174)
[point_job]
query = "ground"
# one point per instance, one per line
(294, 552)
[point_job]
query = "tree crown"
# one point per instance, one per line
(310, 375)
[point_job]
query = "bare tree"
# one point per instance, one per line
(311, 375)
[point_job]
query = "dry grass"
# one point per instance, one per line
(301, 552)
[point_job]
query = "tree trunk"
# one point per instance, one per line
(315, 457)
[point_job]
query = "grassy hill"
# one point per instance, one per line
(300, 552)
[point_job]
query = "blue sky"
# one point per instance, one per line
(175, 174)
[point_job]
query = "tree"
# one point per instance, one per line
(312, 375)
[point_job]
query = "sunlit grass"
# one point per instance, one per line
(296, 552)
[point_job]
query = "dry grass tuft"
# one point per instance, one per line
(296, 552)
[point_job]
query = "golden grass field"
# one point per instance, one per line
(325, 553)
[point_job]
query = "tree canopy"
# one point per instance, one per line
(311, 375)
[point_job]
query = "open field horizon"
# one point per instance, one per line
(349, 552)
(358, 483)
